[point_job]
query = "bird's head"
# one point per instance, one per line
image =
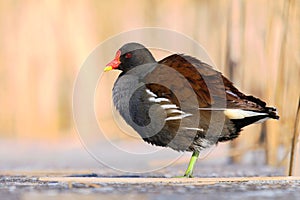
(129, 56)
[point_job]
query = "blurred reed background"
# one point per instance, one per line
(43, 43)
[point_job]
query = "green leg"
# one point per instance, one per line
(189, 172)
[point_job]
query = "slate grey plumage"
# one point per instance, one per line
(180, 102)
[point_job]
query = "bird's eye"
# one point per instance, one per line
(128, 55)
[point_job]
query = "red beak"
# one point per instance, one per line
(114, 64)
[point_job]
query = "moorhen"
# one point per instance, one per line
(180, 102)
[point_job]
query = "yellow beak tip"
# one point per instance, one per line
(108, 68)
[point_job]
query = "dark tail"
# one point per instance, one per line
(240, 123)
(272, 112)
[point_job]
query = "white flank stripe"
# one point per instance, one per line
(168, 106)
(241, 114)
(170, 111)
(194, 129)
(158, 100)
(178, 117)
(151, 93)
(229, 92)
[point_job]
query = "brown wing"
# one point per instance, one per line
(210, 86)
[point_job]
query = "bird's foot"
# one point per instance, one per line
(186, 175)
(189, 172)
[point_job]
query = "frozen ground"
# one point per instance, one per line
(26, 186)
(23, 165)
